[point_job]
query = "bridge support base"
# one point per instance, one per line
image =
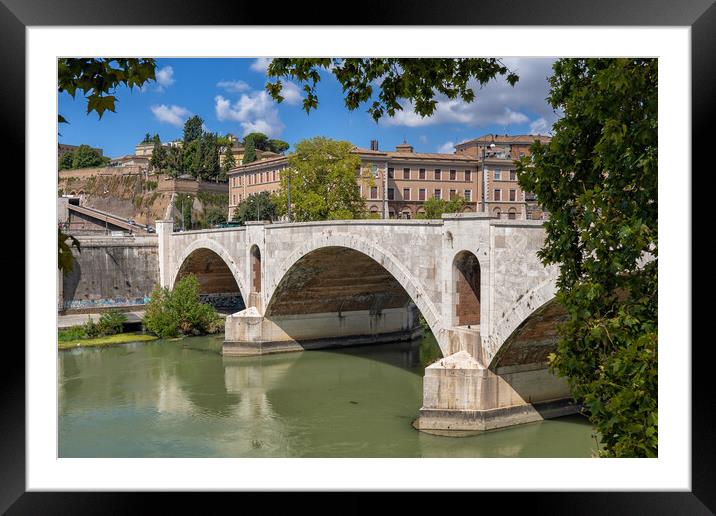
(249, 333)
(459, 394)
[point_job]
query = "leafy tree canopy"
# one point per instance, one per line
(278, 146)
(259, 206)
(434, 208)
(193, 129)
(260, 140)
(249, 152)
(323, 181)
(398, 79)
(598, 179)
(98, 79)
(82, 157)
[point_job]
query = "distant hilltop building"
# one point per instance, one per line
(481, 170)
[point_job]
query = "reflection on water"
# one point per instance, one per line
(183, 399)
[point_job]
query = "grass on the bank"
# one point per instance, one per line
(120, 338)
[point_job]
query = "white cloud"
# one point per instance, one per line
(255, 111)
(165, 77)
(540, 126)
(291, 93)
(233, 86)
(447, 148)
(423, 139)
(260, 64)
(174, 115)
(495, 103)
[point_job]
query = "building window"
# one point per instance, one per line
(512, 215)
(421, 194)
(452, 194)
(373, 192)
(498, 174)
(234, 198)
(513, 175)
(391, 194)
(453, 175)
(390, 173)
(468, 195)
(406, 173)
(468, 175)
(406, 194)
(406, 214)
(421, 173)
(437, 174)
(498, 196)
(497, 213)
(513, 194)
(438, 193)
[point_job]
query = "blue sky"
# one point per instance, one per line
(229, 95)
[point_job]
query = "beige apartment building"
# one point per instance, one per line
(263, 175)
(497, 154)
(402, 180)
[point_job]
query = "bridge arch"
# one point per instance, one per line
(384, 259)
(520, 314)
(203, 246)
(466, 289)
(533, 339)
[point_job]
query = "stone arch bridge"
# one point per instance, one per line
(477, 282)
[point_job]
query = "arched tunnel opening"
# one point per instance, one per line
(533, 340)
(217, 285)
(466, 275)
(347, 294)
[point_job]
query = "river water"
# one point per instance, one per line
(183, 399)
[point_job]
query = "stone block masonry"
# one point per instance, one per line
(111, 272)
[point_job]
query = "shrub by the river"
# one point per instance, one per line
(171, 312)
(110, 323)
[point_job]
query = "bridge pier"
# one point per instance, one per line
(250, 333)
(460, 394)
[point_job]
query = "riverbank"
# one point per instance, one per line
(77, 319)
(120, 338)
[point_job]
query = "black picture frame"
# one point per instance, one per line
(700, 15)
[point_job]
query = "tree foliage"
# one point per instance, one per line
(98, 79)
(434, 208)
(249, 152)
(193, 129)
(323, 175)
(397, 80)
(277, 146)
(159, 158)
(65, 260)
(83, 156)
(229, 160)
(258, 206)
(598, 179)
(170, 312)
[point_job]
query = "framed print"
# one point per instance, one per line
(233, 208)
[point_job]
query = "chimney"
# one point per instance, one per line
(374, 145)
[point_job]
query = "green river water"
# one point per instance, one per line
(183, 399)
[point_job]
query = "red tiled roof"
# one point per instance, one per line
(508, 138)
